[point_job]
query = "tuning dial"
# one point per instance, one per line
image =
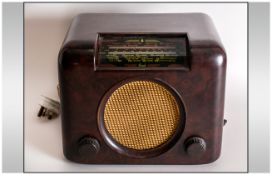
(88, 146)
(195, 146)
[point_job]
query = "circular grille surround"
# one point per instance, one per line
(139, 117)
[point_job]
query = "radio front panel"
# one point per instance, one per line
(133, 96)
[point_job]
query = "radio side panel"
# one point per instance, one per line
(205, 98)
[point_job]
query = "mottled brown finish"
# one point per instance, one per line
(201, 88)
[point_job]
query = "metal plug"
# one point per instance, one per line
(49, 108)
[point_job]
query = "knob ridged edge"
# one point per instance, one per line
(195, 145)
(88, 146)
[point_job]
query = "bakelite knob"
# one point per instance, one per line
(88, 146)
(195, 146)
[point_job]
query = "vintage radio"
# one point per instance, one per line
(142, 89)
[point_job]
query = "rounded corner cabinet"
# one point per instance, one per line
(142, 89)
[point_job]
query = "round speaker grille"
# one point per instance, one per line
(141, 115)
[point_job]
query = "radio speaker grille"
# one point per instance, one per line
(141, 115)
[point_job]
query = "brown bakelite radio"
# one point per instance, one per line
(142, 89)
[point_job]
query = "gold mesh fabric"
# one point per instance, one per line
(141, 115)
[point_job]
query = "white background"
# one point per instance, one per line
(45, 28)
